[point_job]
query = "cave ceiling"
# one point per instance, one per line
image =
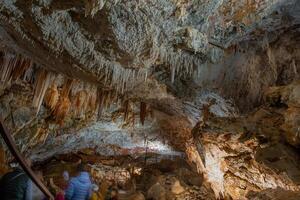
(215, 82)
(174, 55)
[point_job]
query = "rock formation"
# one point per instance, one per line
(211, 82)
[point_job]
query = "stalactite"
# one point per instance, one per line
(92, 101)
(126, 109)
(62, 109)
(67, 87)
(151, 113)
(28, 75)
(22, 66)
(84, 97)
(13, 67)
(63, 105)
(43, 80)
(143, 112)
(8, 64)
(293, 65)
(133, 119)
(85, 104)
(51, 97)
(108, 99)
(80, 99)
(272, 61)
(100, 100)
(181, 62)
(124, 79)
(172, 74)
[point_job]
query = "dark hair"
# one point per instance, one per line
(81, 167)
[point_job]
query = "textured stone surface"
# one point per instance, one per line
(239, 155)
(187, 37)
(174, 65)
(287, 97)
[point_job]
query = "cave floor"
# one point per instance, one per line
(142, 178)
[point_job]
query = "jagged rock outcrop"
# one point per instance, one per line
(135, 76)
(288, 98)
(239, 155)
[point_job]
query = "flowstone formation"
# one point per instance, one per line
(211, 82)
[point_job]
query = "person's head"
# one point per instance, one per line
(95, 187)
(66, 175)
(14, 165)
(39, 174)
(81, 167)
(114, 192)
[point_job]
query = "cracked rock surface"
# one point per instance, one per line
(214, 82)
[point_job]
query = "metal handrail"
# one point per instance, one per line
(14, 151)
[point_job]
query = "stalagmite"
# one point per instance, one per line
(143, 112)
(43, 80)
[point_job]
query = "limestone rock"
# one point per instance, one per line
(176, 188)
(272, 194)
(237, 161)
(189, 177)
(156, 192)
(5, 109)
(288, 98)
(137, 196)
(291, 125)
(22, 115)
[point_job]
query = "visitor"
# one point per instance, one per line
(112, 193)
(96, 195)
(14, 185)
(59, 191)
(79, 187)
(33, 190)
(66, 177)
(104, 186)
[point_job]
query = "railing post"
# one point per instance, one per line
(17, 155)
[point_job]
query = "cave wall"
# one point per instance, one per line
(243, 155)
(181, 65)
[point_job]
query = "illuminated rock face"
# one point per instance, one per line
(244, 154)
(126, 77)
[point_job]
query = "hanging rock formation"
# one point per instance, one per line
(214, 82)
